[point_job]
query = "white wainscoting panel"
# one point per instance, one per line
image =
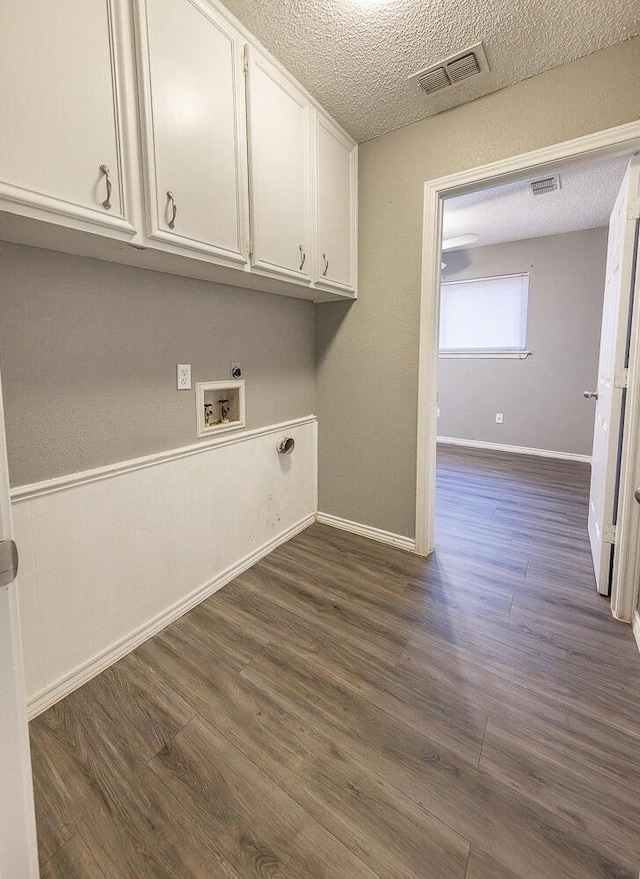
(109, 557)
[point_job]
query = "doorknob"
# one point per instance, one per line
(590, 394)
(8, 562)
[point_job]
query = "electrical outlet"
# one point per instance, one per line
(499, 418)
(183, 377)
(236, 371)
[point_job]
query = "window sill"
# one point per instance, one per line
(516, 355)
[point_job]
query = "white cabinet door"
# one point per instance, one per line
(59, 139)
(191, 65)
(278, 171)
(336, 207)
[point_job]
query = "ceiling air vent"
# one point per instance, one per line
(545, 184)
(454, 69)
(463, 68)
(434, 80)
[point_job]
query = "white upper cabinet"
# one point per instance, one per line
(195, 144)
(60, 148)
(163, 128)
(279, 171)
(336, 207)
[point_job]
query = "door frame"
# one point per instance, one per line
(18, 837)
(547, 160)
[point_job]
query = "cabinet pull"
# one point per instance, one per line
(106, 204)
(303, 256)
(326, 265)
(171, 202)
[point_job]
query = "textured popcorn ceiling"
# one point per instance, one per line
(355, 56)
(511, 213)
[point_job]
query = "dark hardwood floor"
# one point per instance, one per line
(350, 711)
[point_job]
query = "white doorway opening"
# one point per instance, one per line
(547, 161)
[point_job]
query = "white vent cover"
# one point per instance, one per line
(454, 69)
(545, 184)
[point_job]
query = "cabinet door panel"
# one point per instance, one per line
(279, 172)
(336, 208)
(194, 142)
(57, 95)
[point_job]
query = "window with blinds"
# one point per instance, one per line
(484, 316)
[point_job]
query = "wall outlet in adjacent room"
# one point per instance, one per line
(499, 417)
(183, 377)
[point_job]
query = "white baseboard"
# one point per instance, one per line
(517, 450)
(635, 622)
(378, 534)
(79, 676)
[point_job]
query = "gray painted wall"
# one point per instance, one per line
(367, 353)
(88, 354)
(540, 397)
(88, 349)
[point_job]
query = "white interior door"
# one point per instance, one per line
(613, 361)
(18, 849)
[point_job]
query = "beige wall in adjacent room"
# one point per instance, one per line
(88, 354)
(540, 397)
(367, 352)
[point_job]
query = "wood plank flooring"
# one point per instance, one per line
(346, 710)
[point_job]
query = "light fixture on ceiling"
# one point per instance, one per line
(459, 241)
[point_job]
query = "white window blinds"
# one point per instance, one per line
(484, 315)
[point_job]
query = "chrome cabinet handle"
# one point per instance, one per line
(590, 395)
(106, 204)
(171, 202)
(326, 265)
(636, 494)
(303, 256)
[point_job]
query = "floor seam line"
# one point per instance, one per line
(484, 736)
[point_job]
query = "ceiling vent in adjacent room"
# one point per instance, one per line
(454, 69)
(545, 184)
